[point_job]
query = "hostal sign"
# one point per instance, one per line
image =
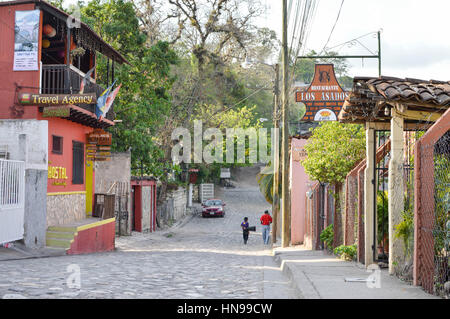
(324, 97)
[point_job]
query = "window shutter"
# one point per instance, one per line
(78, 163)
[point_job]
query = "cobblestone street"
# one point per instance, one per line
(201, 258)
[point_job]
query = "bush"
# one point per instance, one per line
(346, 252)
(327, 236)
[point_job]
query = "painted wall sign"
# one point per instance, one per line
(57, 99)
(26, 40)
(57, 175)
(55, 111)
(324, 98)
(299, 154)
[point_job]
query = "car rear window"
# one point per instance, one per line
(213, 203)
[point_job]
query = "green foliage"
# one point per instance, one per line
(442, 204)
(346, 252)
(304, 69)
(143, 101)
(333, 150)
(405, 231)
(265, 182)
(327, 236)
(382, 215)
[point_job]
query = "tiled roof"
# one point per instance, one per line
(394, 89)
(370, 94)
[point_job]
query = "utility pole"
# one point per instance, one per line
(276, 157)
(285, 209)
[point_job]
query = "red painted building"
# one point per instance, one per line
(45, 52)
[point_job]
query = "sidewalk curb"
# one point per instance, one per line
(36, 255)
(300, 282)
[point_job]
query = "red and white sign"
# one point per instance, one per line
(324, 97)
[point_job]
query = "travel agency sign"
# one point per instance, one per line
(324, 98)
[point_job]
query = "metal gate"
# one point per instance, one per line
(12, 198)
(206, 192)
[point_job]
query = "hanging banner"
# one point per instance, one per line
(324, 98)
(26, 40)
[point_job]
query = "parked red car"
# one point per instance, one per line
(213, 207)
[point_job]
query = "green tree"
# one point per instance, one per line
(333, 150)
(144, 100)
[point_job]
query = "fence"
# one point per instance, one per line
(320, 213)
(12, 200)
(432, 207)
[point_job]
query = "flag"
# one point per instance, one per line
(85, 79)
(101, 102)
(110, 100)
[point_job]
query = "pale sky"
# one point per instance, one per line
(415, 40)
(415, 34)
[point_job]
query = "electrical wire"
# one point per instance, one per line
(334, 26)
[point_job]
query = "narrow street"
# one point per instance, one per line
(200, 258)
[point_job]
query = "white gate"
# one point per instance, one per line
(12, 198)
(206, 192)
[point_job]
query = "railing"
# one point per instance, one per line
(61, 79)
(11, 184)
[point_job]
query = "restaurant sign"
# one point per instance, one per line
(324, 98)
(57, 99)
(98, 146)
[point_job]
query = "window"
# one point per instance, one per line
(78, 163)
(57, 144)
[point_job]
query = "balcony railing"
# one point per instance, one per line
(62, 79)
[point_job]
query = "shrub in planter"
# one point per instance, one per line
(346, 252)
(327, 236)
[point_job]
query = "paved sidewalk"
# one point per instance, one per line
(318, 275)
(19, 251)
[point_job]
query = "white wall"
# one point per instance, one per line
(35, 150)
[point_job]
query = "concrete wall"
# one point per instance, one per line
(27, 140)
(118, 169)
(146, 207)
(179, 197)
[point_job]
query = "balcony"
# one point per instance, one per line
(63, 79)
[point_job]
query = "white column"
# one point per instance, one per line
(369, 191)
(396, 188)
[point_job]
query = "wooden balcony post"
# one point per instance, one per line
(68, 84)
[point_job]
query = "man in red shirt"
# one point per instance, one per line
(266, 220)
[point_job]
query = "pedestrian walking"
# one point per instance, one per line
(266, 220)
(245, 230)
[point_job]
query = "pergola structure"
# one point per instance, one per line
(395, 105)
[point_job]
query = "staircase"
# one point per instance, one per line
(61, 236)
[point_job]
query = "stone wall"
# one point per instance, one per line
(65, 209)
(174, 208)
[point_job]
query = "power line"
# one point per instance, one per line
(334, 26)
